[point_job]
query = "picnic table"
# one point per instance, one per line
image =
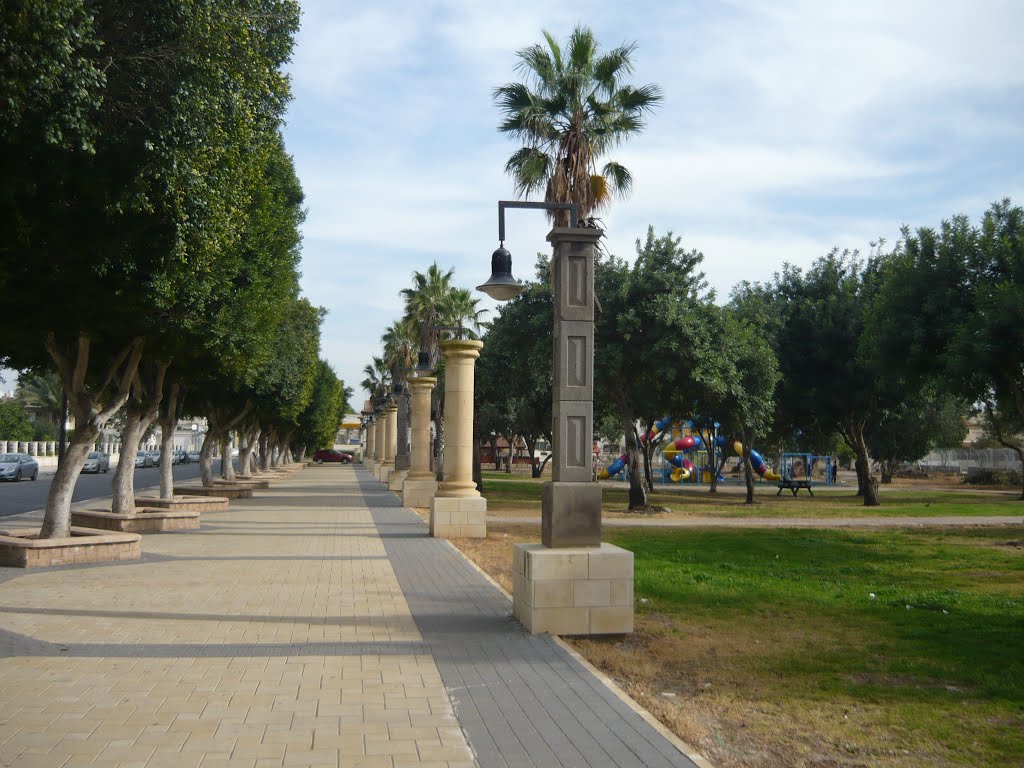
(794, 485)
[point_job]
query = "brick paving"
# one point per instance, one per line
(315, 624)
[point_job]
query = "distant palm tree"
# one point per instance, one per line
(377, 378)
(433, 302)
(572, 111)
(43, 391)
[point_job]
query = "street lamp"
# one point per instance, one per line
(571, 501)
(501, 285)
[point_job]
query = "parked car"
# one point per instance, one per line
(96, 462)
(144, 459)
(329, 455)
(154, 456)
(193, 456)
(15, 466)
(181, 457)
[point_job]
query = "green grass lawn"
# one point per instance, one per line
(916, 637)
(517, 494)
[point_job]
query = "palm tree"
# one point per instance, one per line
(572, 111)
(433, 302)
(377, 378)
(43, 391)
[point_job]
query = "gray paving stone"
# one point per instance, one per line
(522, 700)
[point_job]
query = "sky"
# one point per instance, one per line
(787, 128)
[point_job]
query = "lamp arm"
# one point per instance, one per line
(572, 208)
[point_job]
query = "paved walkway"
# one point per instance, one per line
(314, 625)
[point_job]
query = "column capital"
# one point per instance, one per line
(391, 408)
(423, 382)
(575, 234)
(453, 349)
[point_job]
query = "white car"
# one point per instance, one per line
(143, 459)
(96, 462)
(15, 466)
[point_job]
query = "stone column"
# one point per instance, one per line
(420, 486)
(571, 583)
(402, 459)
(378, 454)
(371, 445)
(387, 465)
(458, 509)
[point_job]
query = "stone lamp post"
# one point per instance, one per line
(458, 509)
(378, 447)
(365, 432)
(420, 486)
(571, 583)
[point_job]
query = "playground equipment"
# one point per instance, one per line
(684, 468)
(616, 466)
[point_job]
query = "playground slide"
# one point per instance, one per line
(616, 466)
(756, 462)
(673, 454)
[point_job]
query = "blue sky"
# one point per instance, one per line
(787, 128)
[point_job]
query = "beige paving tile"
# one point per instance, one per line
(215, 655)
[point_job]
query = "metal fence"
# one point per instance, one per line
(961, 460)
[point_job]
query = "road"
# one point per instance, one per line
(26, 496)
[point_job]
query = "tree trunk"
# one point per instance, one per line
(709, 446)
(637, 489)
(169, 419)
(887, 466)
(864, 461)
(57, 522)
(439, 443)
(123, 485)
(478, 476)
(645, 450)
(748, 470)
(265, 450)
(206, 458)
(92, 407)
(227, 466)
(245, 451)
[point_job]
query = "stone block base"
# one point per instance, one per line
(573, 591)
(384, 472)
(185, 503)
(418, 493)
(224, 491)
(84, 545)
(396, 479)
(143, 521)
(458, 518)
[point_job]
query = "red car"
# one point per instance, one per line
(329, 455)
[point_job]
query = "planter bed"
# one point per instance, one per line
(84, 545)
(185, 503)
(145, 520)
(256, 483)
(224, 491)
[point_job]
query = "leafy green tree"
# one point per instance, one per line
(746, 405)
(120, 205)
(572, 111)
(909, 429)
(318, 423)
(14, 421)
(655, 343)
(951, 308)
(513, 374)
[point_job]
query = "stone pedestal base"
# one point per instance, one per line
(454, 518)
(570, 515)
(573, 591)
(185, 503)
(396, 479)
(418, 493)
(384, 472)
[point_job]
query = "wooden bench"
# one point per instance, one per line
(794, 485)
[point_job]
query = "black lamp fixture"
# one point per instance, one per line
(501, 285)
